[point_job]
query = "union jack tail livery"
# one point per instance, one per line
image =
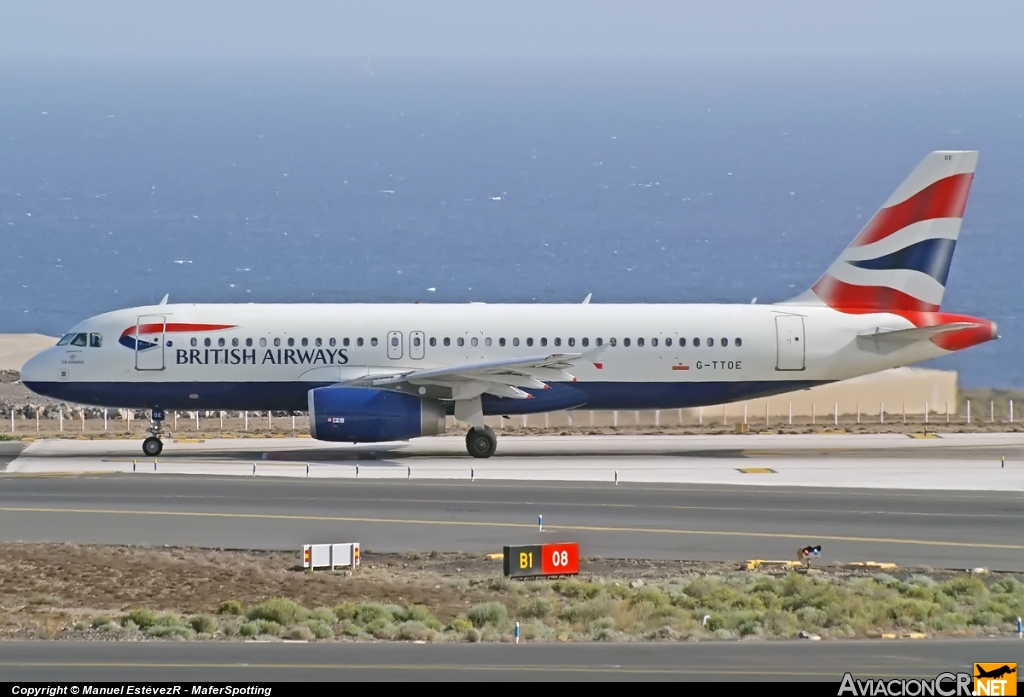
(900, 260)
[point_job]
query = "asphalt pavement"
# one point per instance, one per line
(942, 529)
(263, 662)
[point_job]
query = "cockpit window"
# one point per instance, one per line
(66, 339)
(80, 340)
(95, 340)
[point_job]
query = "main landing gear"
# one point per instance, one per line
(153, 446)
(481, 442)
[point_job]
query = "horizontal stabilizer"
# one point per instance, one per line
(918, 333)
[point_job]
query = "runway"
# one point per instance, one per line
(958, 462)
(252, 662)
(940, 528)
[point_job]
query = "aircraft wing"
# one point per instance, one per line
(917, 333)
(501, 378)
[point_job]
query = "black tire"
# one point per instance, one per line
(152, 446)
(481, 442)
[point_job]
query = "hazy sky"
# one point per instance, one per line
(544, 28)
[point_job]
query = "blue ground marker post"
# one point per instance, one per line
(517, 632)
(540, 523)
(1020, 629)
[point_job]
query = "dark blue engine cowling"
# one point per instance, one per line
(366, 415)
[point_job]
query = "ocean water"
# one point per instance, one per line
(515, 181)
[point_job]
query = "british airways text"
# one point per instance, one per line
(272, 356)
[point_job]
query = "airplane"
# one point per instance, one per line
(996, 672)
(373, 373)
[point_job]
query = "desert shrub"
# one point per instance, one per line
(280, 610)
(538, 608)
(415, 631)
(101, 621)
(460, 624)
(492, 613)
(165, 631)
(648, 594)
(320, 629)
(345, 611)
(260, 627)
(169, 620)
(300, 633)
(380, 629)
(473, 635)
(368, 613)
(963, 587)
(230, 607)
(416, 613)
(142, 618)
(203, 624)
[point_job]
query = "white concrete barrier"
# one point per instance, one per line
(345, 554)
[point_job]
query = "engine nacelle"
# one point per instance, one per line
(367, 415)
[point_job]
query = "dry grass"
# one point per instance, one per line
(55, 591)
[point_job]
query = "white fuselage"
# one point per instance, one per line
(655, 356)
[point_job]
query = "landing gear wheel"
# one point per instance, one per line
(481, 442)
(152, 446)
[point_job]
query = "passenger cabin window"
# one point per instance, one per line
(586, 342)
(738, 342)
(194, 341)
(359, 341)
(277, 341)
(711, 342)
(331, 341)
(206, 341)
(461, 341)
(373, 341)
(558, 341)
(318, 342)
(501, 341)
(345, 342)
(544, 341)
(725, 342)
(95, 340)
(263, 342)
(473, 341)
(394, 341)
(611, 342)
(696, 341)
(654, 341)
(515, 341)
(234, 341)
(415, 341)
(291, 341)
(600, 341)
(625, 342)
(433, 341)
(682, 342)
(220, 341)
(305, 341)
(447, 341)
(529, 341)
(487, 341)
(572, 341)
(640, 341)
(668, 341)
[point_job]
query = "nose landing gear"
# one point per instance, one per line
(153, 446)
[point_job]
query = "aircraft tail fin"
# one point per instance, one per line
(900, 260)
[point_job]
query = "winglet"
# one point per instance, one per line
(586, 300)
(164, 301)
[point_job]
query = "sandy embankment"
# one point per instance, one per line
(16, 349)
